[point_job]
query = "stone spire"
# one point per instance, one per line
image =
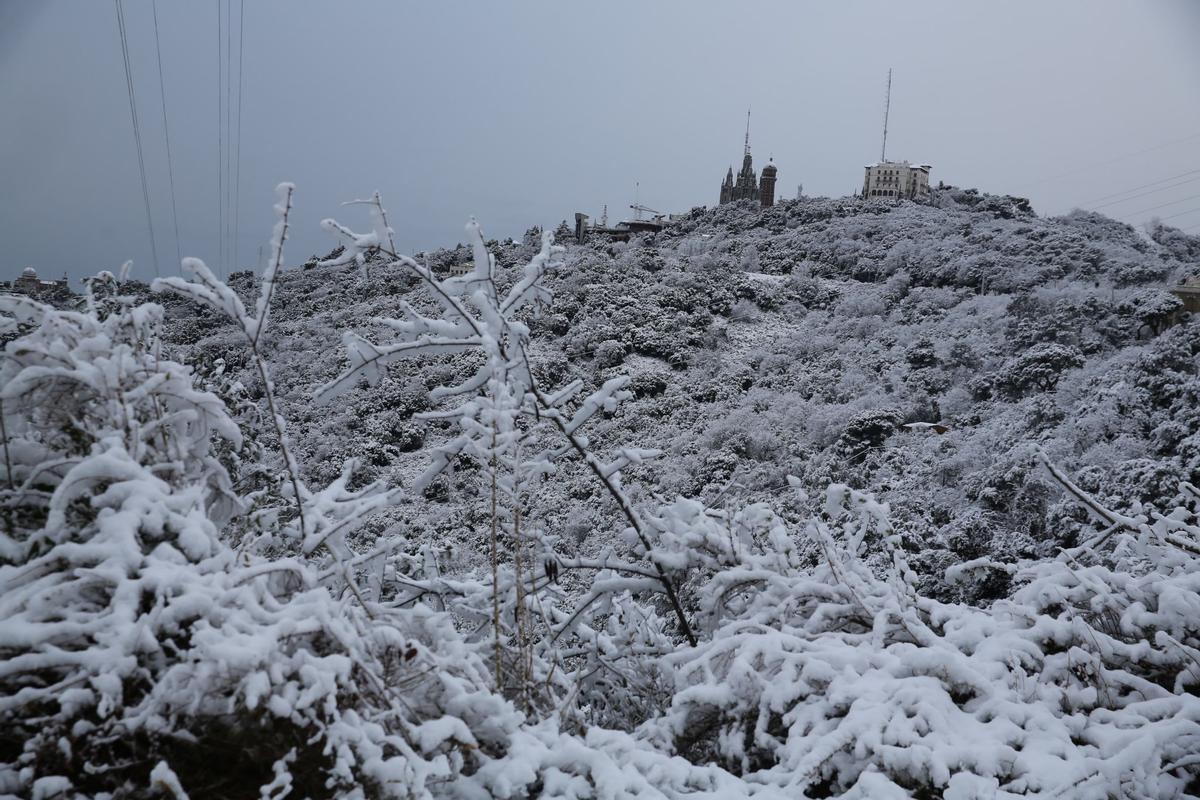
(745, 185)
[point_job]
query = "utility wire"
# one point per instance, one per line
(1146, 194)
(1164, 205)
(166, 130)
(237, 178)
(137, 131)
(1110, 160)
(1135, 188)
(220, 151)
(1181, 213)
(228, 139)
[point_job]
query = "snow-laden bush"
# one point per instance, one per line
(839, 682)
(545, 645)
(138, 650)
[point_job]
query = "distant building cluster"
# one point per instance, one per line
(885, 180)
(30, 284)
(623, 229)
(896, 179)
(746, 186)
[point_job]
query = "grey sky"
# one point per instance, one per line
(522, 113)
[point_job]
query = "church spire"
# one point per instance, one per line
(747, 131)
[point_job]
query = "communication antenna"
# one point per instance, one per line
(747, 152)
(887, 107)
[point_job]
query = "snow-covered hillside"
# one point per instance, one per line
(833, 499)
(801, 341)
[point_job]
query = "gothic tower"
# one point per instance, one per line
(766, 191)
(727, 187)
(745, 185)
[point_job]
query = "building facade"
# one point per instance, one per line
(766, 188)
(746, 186)
(29, 283)
(1189, 293)
(896, 179)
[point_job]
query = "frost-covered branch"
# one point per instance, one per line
(325, 517)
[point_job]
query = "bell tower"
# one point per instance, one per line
(766, 185)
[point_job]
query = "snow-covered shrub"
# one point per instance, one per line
(516, 432)
(136, 645)
(1040, 367)
(139, 650)
(1152, 309)
(839, 682)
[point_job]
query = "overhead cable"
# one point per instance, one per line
(166, 131)
(237, 177)
(1120, 157)
(230, 266)
(1135, 188)
(1147, 194)
(137, 130)
(1164, 205)
(220, 149)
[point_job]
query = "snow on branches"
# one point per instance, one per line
(323, 518)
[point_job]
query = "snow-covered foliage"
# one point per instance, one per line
(837, 499)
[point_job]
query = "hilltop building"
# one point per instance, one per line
(894, 179)
(897, 179)
(746, 185)
(623, 230)
(30, 284)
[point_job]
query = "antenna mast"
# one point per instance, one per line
(747, 152)
(887, 107)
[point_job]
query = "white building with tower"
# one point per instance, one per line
(894, 179)
(29, 283)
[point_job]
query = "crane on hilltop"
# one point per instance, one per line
(638, 208)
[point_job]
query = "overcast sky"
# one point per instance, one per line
(523, 113)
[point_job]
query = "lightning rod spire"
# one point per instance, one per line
(887, 107)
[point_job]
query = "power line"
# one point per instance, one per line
(220, 150)
(1110, 160)
(1135, 188)
(1147, 194)
(166, 130)
(1164, 205)
(1181, 213)
(228, 143)
(237, 192)
(137, 131)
